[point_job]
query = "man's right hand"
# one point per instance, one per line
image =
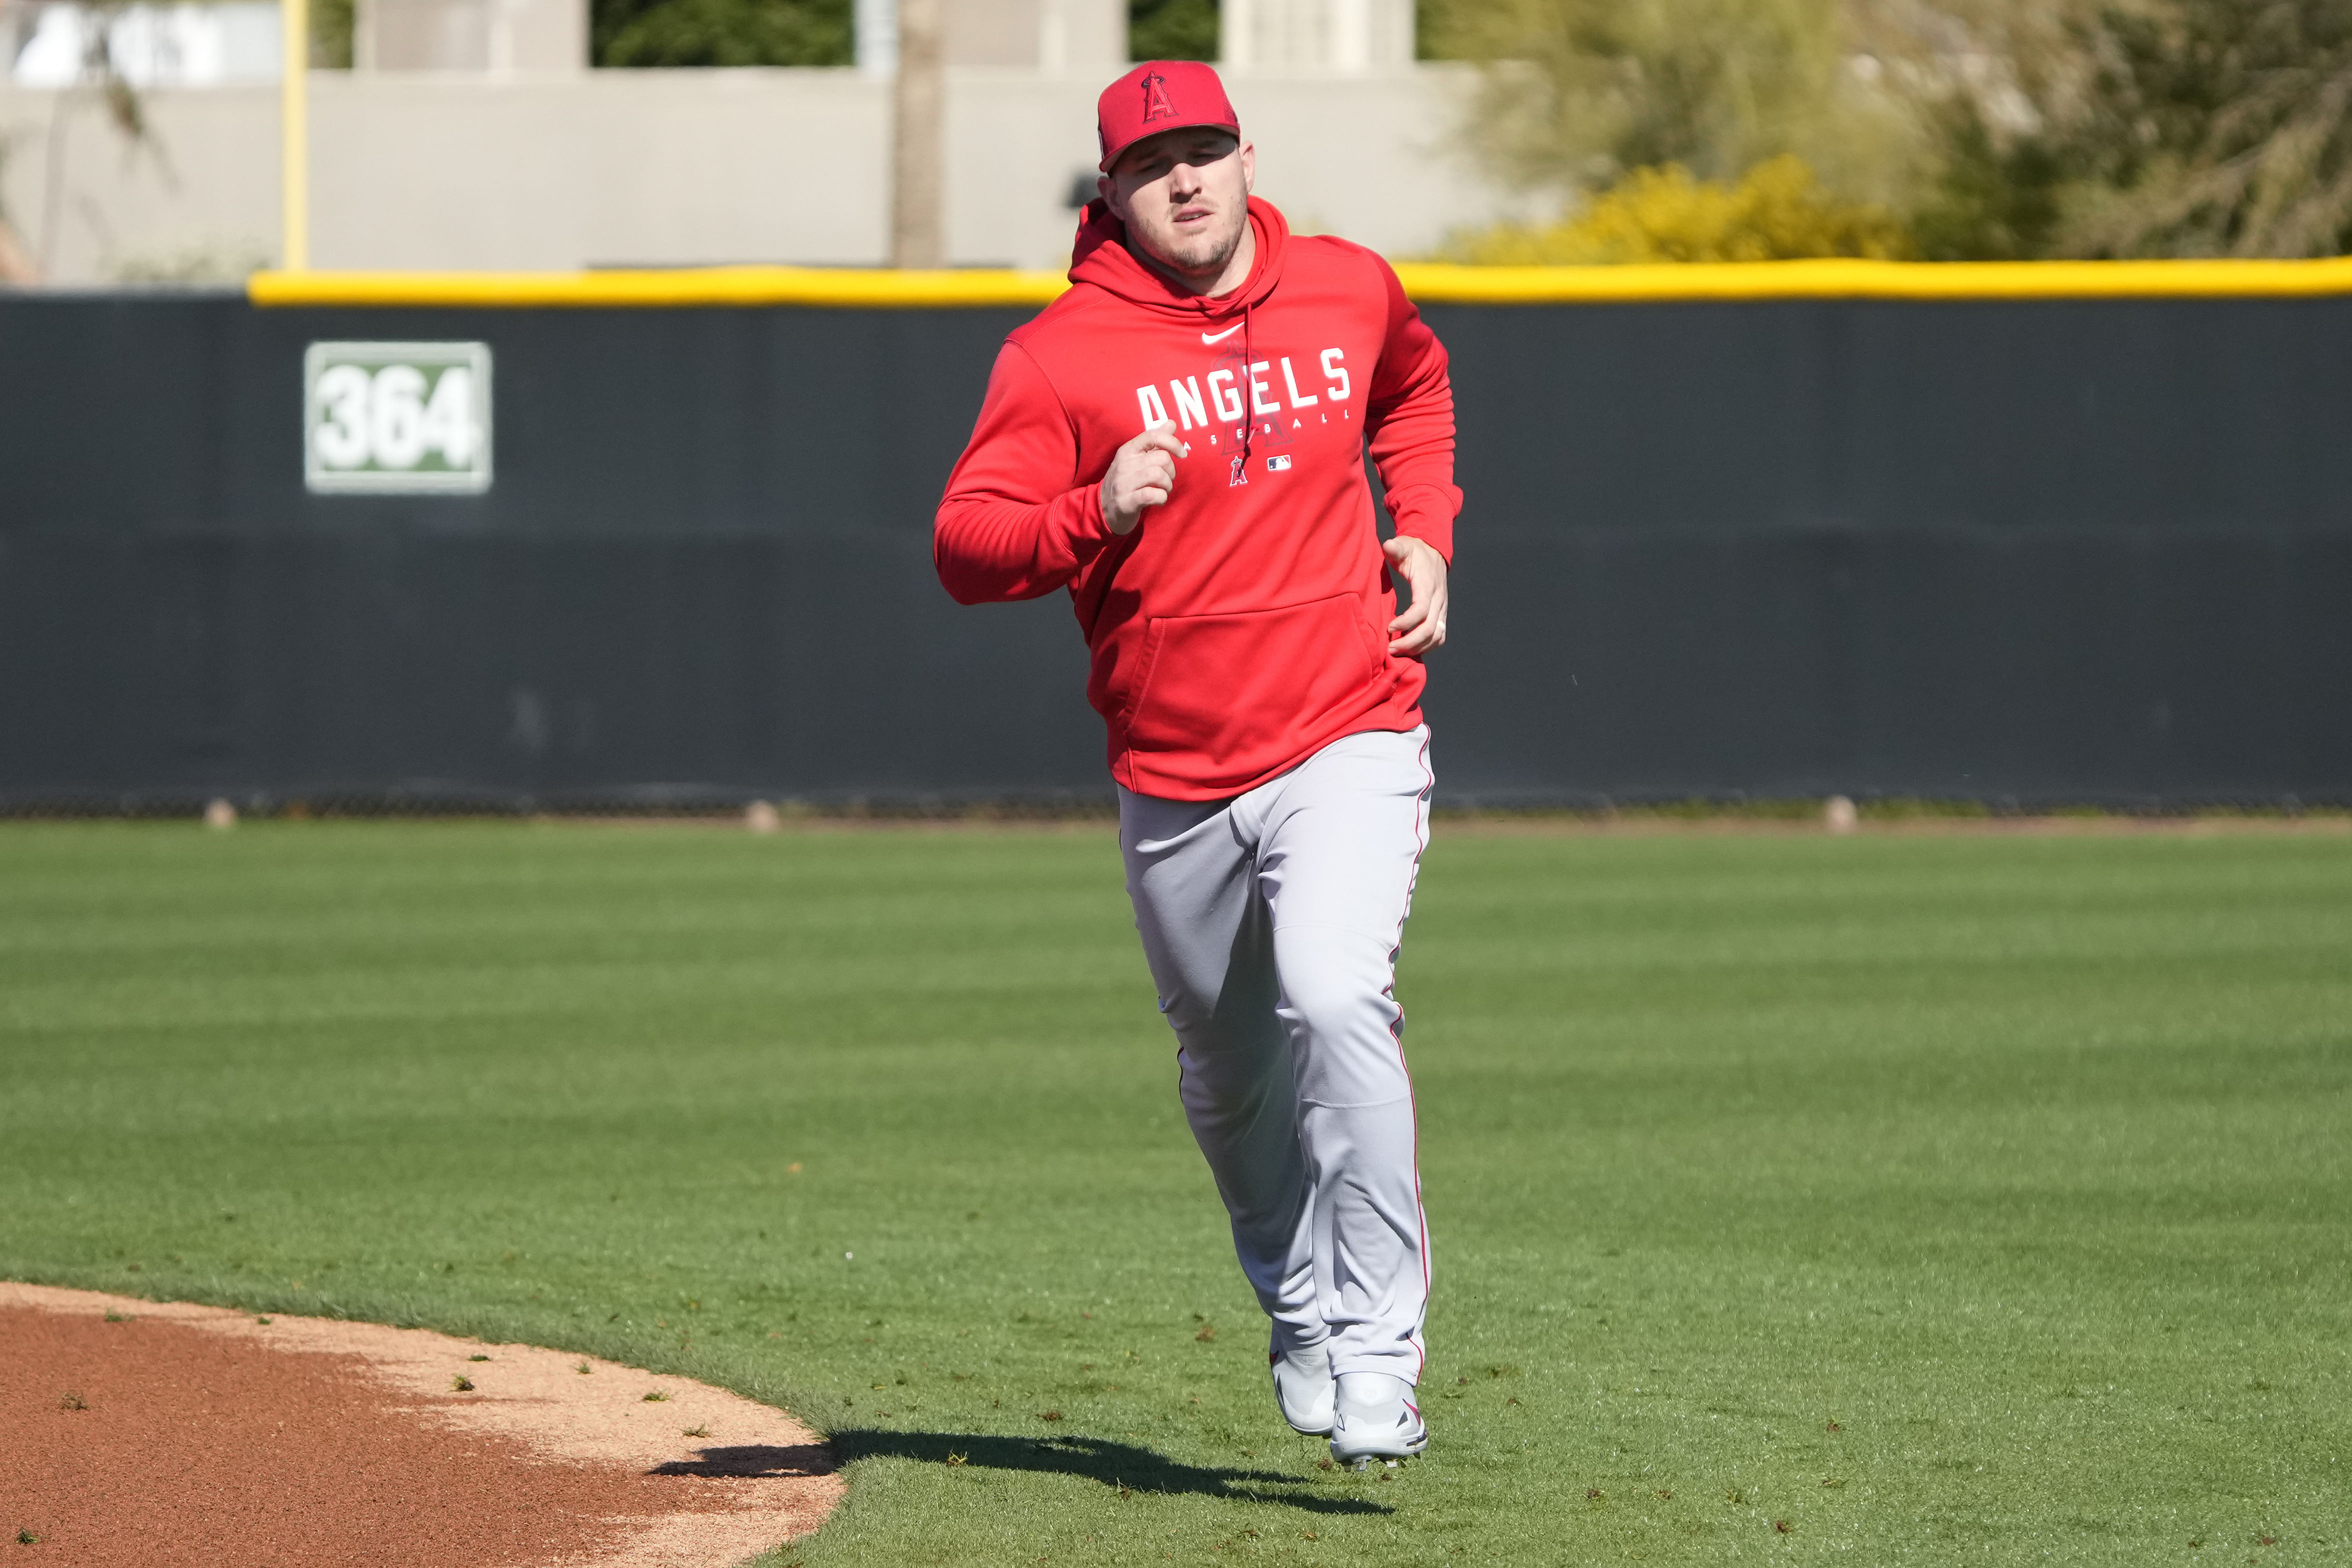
(1142, 473)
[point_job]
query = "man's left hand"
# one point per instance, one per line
(1423, 626)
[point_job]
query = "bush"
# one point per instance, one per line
(1777, 212)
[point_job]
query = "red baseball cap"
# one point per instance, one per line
(1157, 96)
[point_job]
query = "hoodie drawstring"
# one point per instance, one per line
(1249, 410)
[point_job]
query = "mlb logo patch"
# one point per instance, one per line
(1276, 465)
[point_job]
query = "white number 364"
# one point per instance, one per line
(398, 416)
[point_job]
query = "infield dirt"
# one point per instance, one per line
(141, 1435)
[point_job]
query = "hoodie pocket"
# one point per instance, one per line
(1228, 698)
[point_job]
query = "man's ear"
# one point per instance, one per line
(1249, 167)
(1109, 191)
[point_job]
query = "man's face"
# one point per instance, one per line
(1185, 197)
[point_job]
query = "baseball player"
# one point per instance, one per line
(1178, 441)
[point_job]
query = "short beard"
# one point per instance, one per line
(1209, 255)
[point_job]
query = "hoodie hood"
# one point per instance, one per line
(1100, 257)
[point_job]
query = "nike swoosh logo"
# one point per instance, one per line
(1221, 336)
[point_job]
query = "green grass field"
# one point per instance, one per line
(1944, 1199)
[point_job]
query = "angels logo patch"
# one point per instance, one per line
(1155, 99)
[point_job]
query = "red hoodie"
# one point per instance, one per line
(1243, 626)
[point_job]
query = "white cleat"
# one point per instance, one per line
(1375, 1418)
(1302, 1387)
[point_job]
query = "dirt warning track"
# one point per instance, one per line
(144, 1435)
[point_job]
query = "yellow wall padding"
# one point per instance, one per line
(1431, 283)
(1435, 283)
(860, 288)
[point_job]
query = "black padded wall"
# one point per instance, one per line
(2028, 550)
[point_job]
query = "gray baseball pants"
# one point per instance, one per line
(1272, 922)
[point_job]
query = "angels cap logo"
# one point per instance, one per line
(1155, 99)
(1145, 102)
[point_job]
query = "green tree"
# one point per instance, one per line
(1988, 197)
(2214, 128)
(721, 33)
(331, 26)
(2129, 127)
(1578, 92)
(1171, 29)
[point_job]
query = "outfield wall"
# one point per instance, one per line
(2034, 548)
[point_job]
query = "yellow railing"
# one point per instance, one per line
(839, 288)
(1429, 282)
(1436, 283)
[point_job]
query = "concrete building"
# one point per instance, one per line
(473, 135)
(504, 37)
(1342, 37)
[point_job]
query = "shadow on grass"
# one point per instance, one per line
(1113, 1464)
(756, 1462)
